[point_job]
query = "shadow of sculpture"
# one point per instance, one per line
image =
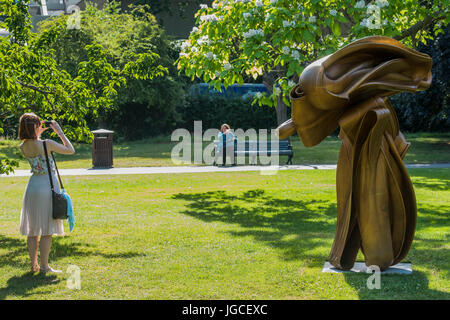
(398, 287)
(297, 229)
(293, 227)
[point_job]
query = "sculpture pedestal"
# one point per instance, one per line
(360, 267)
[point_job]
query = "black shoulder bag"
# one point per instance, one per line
(59, 202)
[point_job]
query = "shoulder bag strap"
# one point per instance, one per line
(48, 167)
(56, 167)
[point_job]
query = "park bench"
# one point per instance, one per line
(253, 148)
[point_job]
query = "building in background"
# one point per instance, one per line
(43, 9)
(175, 16)
(50, 7)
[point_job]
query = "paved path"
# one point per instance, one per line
(201, 169)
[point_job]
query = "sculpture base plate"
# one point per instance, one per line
(360, 267)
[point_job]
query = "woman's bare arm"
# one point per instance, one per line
(66, 147)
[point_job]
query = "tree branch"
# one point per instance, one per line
(29, 86)
(421, 25)
(36, 89)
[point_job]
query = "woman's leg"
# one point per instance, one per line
(32, 244)
(217, 155)
(44, 247)
(230, 154)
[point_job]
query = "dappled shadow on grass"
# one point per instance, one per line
(432, 216)
(15, 249)
(20, 286)
(295, 227)
(435, 179)
(62, 247)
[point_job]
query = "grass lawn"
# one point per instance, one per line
(230, 235)
(425, 148)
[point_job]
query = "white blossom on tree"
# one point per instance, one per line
(256, 45)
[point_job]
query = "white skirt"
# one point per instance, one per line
(36, 214)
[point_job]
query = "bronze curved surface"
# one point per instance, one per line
(375, 197)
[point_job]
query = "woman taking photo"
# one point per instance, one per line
(36, 215)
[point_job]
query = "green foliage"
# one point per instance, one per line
(429, 110)
(134, 43)
(34, 76)
(145, 109)
(213, 111)
(276, 39)
(6, 165)
(16, 19)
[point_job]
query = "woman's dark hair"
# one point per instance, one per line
(27, 126)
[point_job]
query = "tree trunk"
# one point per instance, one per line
(282, 110)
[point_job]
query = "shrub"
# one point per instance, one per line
(215, 110)
(428, 110)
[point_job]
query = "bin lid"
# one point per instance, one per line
(100, 131)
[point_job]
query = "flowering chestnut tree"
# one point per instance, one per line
(276, 39)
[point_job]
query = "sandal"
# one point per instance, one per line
(50, 270)
(35, 268)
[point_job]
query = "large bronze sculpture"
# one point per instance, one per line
(375, 198)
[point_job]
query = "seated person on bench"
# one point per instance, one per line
(228, 135)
